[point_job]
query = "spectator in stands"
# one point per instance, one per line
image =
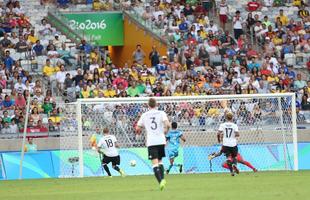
(8, 61)
(14, 126)
(138, 55)
(20, 101)
(133, 90)
(48, 69)
(6, 128)
(47, 106)
(39, 96)
(223, 13)
(303, 12)
(65, 54)
(35, 116)
(283, 18)
(38, 48)
(6, 42)
(68, 83)
(154, 56)
(32, 39)
(21, 46)
(109, 92)
(8, 103)
(41, 127)
(54, 117)
(237, 25)
(84, 47)
(299, 83)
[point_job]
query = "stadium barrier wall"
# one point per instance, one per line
(46, 164)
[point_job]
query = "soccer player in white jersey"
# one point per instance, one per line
(228, 133)
(108, 146)
(156, 124)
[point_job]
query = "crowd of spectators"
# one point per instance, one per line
(203, 58)
(21, 43)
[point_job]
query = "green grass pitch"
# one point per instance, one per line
(249, 186)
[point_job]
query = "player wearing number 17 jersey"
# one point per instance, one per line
(108, 146)
(156, 124)
(228, 133)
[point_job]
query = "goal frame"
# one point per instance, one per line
(185, 98)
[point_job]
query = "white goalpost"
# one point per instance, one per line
(267, 123)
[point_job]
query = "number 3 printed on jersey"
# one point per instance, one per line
(154, 124)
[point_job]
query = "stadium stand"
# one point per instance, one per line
(270, 55)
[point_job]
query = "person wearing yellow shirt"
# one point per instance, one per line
(85, 92)
(109, 92)
(283, 18)
(149, 77)
(101, 69)
(32, 38)
(134, 74)
(213, 112)
(272, 79)
(97, 91)
(297, 3)
(48, 69)
(178, 91)
(54, 117)
(94, 55)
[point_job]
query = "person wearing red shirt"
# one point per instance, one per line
(265, 71)
(23, 21)
(20, 101)
(191, 40)
(253, 6)
(287, 80)
(251, 52)
(120, 80)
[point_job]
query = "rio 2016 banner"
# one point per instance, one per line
(101, 28)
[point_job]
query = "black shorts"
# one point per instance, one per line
(115, 160)
(230, 151)
(156, 152)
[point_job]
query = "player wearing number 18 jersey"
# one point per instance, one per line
(228, 133)
(156, 124)
(108, 146)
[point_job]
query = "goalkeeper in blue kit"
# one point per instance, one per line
(173, 143)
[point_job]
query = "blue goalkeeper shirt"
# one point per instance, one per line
(173, 139)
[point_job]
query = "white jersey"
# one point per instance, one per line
(229, 130)
(107, 143)
(153, 121)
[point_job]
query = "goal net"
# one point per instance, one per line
(267, 126)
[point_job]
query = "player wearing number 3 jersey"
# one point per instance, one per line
(156, 124)
(228, 133)
(108, 146)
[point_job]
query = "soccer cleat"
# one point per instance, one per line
(211, 156)
(122, 173)
(181, 168)
(110, 176)
(167, 171)
(235, 169)
(232, 174)
(162, 184)
(255, 170)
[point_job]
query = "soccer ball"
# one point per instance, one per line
(133, 163)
